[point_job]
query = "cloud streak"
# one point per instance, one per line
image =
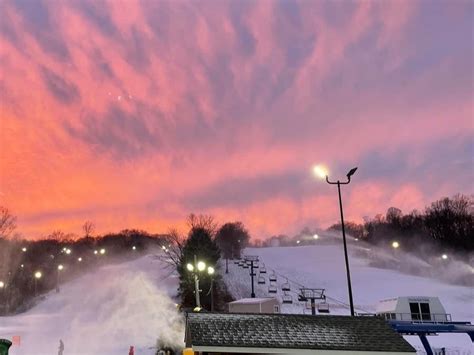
(136, 113)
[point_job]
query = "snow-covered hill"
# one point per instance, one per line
(104, 312)
(322, 266)
(116, 306)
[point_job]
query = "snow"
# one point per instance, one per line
(322, 266)
(132, 303)
(104, 312)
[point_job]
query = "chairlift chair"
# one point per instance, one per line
(273, 277)
(263, 270)
(245, 266)
(287, 299)
(323, 307)
(236, 262)
(261, 280)
(272, 289)
(286, 286)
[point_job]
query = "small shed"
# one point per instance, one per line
(413, 308)
(255, 305)
(231, 333)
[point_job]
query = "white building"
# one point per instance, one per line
(255, 305)
(413, 308)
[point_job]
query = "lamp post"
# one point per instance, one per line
(38, 276)
(196, 268)
(60, 268)
(339, 183)
(252, 259)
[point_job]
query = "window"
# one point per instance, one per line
(276, 309)
(425, 311)
(415, 311)
(420, 311)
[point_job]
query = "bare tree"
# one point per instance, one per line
(88, 227)
(7, 222)
(57, 235)
(204, 221)
(173, 247)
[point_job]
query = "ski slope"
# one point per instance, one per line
(322, 266)
(103, 312)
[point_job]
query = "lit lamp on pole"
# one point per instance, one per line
(38, 275)
(321, 172)
(60, 268)
(195, 269)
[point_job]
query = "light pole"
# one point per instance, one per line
(60, 267)
(197, 267)
(339, 183)
(3, 287)
(38, 276)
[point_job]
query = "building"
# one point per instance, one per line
(413, 308)
(244, 333)
(255, 305)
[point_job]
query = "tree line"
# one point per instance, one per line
(445, 223)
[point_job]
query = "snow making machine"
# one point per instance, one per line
(421, 316)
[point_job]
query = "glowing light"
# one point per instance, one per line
(68, 251)
(395, 245)
(134, 248)
(210, 270)
(2, 284)
(315, 236)
(298, 242)
(38, 274)
(444, 257)
(190, 267)
(60, 267)
(163, 247)
(102, 251)
(96, 252)
(22, 266)
(79, 259)
(320, 171)
(23, 249)
(356, 239)
(201, 265)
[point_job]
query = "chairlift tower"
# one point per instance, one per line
(311, 294)
(251, 259)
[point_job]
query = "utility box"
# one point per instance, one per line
(255, 305)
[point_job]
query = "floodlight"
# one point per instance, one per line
(190, 267)
(210, 270)
(201, 265)
(351, 172)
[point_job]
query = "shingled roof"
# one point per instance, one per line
(290, 331)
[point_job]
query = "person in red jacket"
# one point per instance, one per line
(131, 351)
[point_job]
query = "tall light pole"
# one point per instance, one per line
(60, 268)
(197, 267)
(339, 183)
(38, 275)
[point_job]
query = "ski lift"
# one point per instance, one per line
(261, 280)
(263, 270)
(273, 277)
(255, 265)
(287, 299)
(272, 289)
(236, 262)
(286, 286)
(245, 265)
(323, 307)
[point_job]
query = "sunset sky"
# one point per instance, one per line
(134, 114)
